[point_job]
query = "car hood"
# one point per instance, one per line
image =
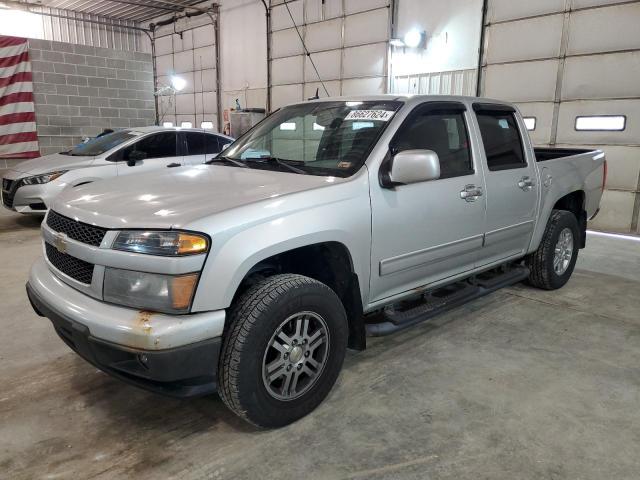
(52, 163)
(175, 197)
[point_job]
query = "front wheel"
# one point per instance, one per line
(553, 263)
(283, 350)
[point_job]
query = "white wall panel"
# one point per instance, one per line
(365, 61)
(369, 27)
(364, 86)
(318, 10)
(614, 75)
(280, 17)
(522, 82)
(595, 3)
(605, 29)
(543, 113)
(355, 6)
(324, 35)
(570, 110)
(287, 70)
(285, 95)
(616, 212)
(328, 64)
(285, 43)
(531, 44)
(501, 10)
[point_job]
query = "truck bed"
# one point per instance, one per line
(548, 153)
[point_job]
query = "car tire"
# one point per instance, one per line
(285, 329)
(552, 264)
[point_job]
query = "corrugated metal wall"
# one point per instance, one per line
(561, 59)
(78, 31)
(348, 41)
(458, 82)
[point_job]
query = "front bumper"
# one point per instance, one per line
(172, 355)
(27, 199)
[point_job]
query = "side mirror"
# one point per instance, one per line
(135, 157)
(414, 166)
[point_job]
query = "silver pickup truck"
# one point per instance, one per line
(329, 221)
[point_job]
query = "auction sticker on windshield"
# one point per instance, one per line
(379, 115)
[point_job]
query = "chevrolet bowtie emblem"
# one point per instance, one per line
(60, 242)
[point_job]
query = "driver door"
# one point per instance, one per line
(426, 232)
(156, 151)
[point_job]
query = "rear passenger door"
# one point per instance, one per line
(201, 147)
(152, 152)
(511, 183)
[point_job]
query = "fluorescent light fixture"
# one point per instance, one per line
(614, 235)
(354, 104)
(186, 125)
(167, 124)
(397, 42)
(207, 125)
(530, 122)
(413, 38)
(288, 126)
(178, 83)
(603, 123)
(318, 128)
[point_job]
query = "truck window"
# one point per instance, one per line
(444, 133)
(159, 145)
(502, 140)
(201, 143)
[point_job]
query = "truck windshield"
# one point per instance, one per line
(100, 145)
(326, 138)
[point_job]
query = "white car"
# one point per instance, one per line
(31, 186)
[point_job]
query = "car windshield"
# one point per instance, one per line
(319, 138)
(100, 145)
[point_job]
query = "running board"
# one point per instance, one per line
(444, 299)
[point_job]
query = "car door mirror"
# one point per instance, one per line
(414, 166)
(135, 157)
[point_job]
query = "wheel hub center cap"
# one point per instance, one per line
(296, 354)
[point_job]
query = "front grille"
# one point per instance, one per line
(8, 192)
(79, 231)
(73, 267)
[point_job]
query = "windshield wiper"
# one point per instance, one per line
(227, 160)
(289, 164)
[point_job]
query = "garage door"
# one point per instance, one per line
(348, 42)
(189, 54)
(573, 68)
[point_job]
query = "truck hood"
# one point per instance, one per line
(52, 163)
(175, 197)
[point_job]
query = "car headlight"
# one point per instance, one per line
(150, 291)
(44, 178)
(169, 243)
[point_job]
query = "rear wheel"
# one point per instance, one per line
(553, 263)
(283, 350)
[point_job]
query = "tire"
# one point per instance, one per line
(252, 344)
(544, 273)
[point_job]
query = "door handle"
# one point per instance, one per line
(174, 165)
(526, 184)
(471, 193)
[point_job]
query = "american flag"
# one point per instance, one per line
(18, 137)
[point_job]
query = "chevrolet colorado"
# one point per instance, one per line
(329, 221)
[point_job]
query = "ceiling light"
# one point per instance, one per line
(178, 83)
(414, 38)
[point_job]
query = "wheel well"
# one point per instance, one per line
(329, 263)
(574, 203)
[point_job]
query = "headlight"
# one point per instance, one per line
(44, 178)
(150, 291)
(161, 243)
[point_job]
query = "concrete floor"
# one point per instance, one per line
(522, 384)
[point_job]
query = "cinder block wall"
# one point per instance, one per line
(81, 90)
